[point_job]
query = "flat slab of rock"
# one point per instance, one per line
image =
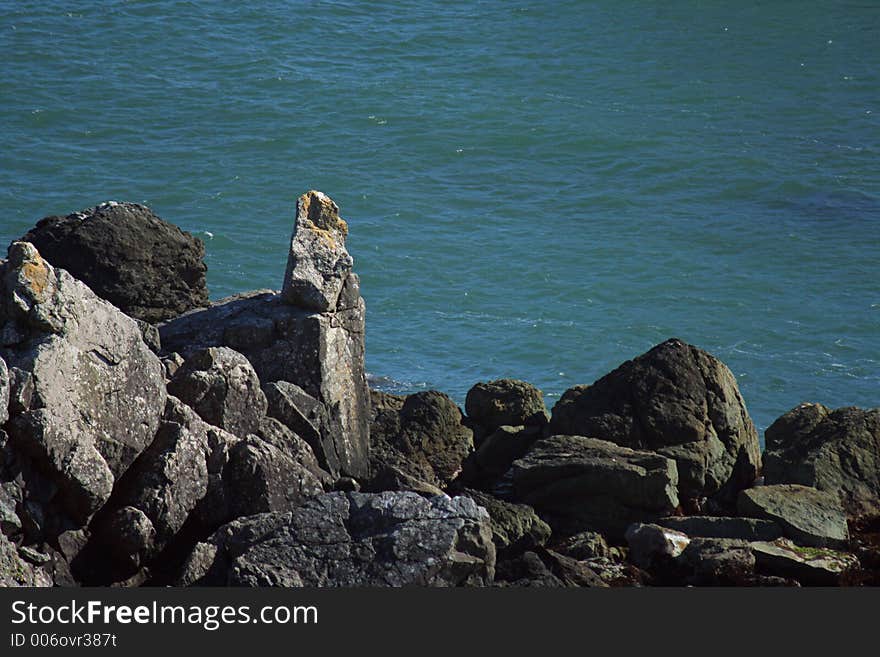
(806, 515)
(836, 451)
(90, 392)
(746, 529)
(352, 539)
(146, 267)
(579, 484)
(811, 566)
(680, 401)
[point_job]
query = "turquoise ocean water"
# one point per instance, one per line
(539, 190)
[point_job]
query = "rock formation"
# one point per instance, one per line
(680, 402)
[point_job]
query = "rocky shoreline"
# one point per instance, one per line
(149, 437)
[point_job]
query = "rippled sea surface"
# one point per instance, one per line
(538, 190)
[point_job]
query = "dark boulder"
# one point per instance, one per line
(421, 435)
(834, 451)
(352, 539)
(504, 402)
(495, 454)
(719, 562)
(579, 484)
(515, 527)
(679, 401)
(146, 267)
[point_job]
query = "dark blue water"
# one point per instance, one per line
(537, 190)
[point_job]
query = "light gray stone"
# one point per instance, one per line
(97, 391)
(318, 263)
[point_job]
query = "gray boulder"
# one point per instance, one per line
(322, 353)
(578, 484)
(261, 477)
(4, 392)
(221, 386)
(745, 529)
(165, 484)
(144, 266)
(95, 391)
(421, 435)
(834, 451)
(806, 515)
(680, 401)
(352, 539)
(504, 402)
(318, 263)
(308, 418)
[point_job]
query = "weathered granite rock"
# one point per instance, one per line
(261, 478)
(516, 528)
(424, 438)
(352, 539)
(146, 267)
(321, 353)
(834, 451)
(808, 565)
(4, 392)
(170, 477)
(504, 402)
(318, 263)
(719, 562)
(221, 386)
(806, 515)
(96, 391)
(680, 401)
(650, 544)
(746, 529)
(308, 418)
(495, 454)
(578, 483)
(16, 571)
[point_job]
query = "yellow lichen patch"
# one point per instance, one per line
(317, 212)
(35, 274)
